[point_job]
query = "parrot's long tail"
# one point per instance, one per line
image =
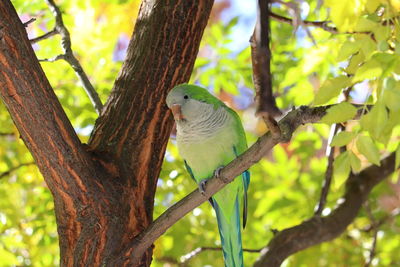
(230, 232)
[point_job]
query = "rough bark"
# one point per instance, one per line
(103, 192)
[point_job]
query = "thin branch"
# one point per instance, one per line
(319, 24)
(71, 59)
(331, 152)
(170, 260)
(328, 175)
(261, 57)
(12, 169)
(59, 57)
(379, 223)
(44, 36)
(7, 134)
(320, 229)
(297, 21)
(26, 24)
(288, 125)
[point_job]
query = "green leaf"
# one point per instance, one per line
(348, 48)
(382, 33)
(354, 63)
(375, 121)
(365, 25)
(366, 146)
(369, 70)
(341, 167)
(342, 138)
(355, 162)
(367, 45)
(330, 89)
(339, 113)
(391, 98)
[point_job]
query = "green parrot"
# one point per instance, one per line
(209, 136)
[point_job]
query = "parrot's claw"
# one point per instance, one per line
(217, 172)
(202, 186)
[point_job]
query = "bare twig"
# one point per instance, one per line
(288, 125)
(261, 57)
(44, 36)
(170, 260)
(71, 59)
(327, 182)
(297, 21)
(328, 175)
(26, 24)
(320, 229)
(319, 24)
(7, 134)
(12, 169)
(59, 57)
(379, 223)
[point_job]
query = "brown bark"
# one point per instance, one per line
(104, 192)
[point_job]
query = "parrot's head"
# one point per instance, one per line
(189, 102)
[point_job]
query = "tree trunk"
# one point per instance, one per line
(104, 191)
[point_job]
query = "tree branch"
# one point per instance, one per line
(69, 56)
(260, 58)
(320, 229)
(53, 59)
(328, 175)
(288, 125)
(44, 128)
(12, 169)
(319, 24)
(44, 36)
(7, 134)
(26, 24)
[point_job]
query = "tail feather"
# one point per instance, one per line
(231, 238)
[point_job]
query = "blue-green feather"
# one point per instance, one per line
(231, 240)
(189, 170)
(246, 182)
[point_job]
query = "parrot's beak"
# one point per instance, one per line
(177, 112)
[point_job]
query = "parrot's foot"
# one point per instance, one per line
(217, 172)
(202, 186)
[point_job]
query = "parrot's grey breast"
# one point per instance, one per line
(209, 122)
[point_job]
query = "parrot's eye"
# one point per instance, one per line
(186, 97)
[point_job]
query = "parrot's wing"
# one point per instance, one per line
(189, 170)
(246, 182)
(192, 176)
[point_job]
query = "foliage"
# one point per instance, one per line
(359, 64)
